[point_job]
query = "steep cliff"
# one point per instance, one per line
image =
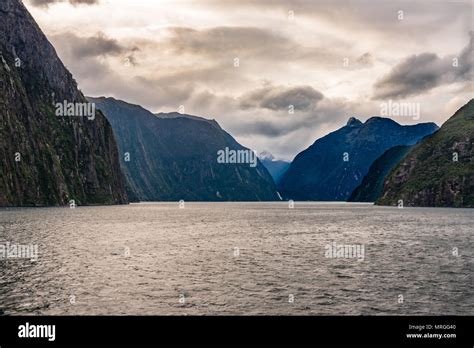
(48, 159)
(439, 171)
(372, 184)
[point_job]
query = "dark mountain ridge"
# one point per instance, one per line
(331, 168)
(174, 157)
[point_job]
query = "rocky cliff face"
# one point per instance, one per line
(48, 159)
(172, 157)
(439, 171)
(331, 168)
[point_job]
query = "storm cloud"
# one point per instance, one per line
(420, 73)
(302, 98)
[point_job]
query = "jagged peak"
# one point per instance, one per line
(353, 122)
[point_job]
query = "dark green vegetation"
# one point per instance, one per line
(331, 168)
(174, 157)
(429, 175)
(371, 187)
(45, 159)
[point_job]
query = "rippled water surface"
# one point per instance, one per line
(238, 258)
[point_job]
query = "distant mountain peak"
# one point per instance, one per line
(276, 167)
(353, 122)
(265, 155)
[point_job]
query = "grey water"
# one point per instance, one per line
(237, 259)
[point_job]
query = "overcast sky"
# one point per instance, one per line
(246, 62)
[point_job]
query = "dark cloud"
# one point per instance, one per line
(98, 45)
(420, 73)
(268, 122)
(465, 69)
(416, 74)
(302, 98)
(364, 61)
(45, 3)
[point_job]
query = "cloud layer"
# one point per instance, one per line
(420, 73)
(277, 74)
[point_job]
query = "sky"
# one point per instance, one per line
(275, 74)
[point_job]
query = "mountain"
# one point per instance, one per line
(331, 168)
(439, 171)
(372, 184)
(265, 155)
(48, 159)
(176, 157)
(275, 167)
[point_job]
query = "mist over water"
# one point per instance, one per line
(238, 258)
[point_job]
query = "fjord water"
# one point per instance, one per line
(237, 258)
